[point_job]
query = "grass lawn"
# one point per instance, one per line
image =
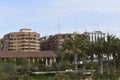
(41, 77)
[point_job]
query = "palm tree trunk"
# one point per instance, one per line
(115, 69)
(92, 65)
(92, 69)
(84, 69)
(84, 62)
(114, 61)
(108, 66)
(75, 57)
(84, 66)
(100, 62)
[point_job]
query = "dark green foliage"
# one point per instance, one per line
(62, 66)
(55, 67)
(23, 69)
(42, 67)
(70, 76)
(11, 61)
(106, 77)
(24, 77)
(22, 61)
(8, 72)
(69, 57)
(95, 65)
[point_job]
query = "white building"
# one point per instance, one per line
(93, 36)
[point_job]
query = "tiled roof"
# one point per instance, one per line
(27, 54)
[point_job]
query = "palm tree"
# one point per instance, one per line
(99, 50)
(116, 53)
(91, 52)
(76, 45)
(109, 42)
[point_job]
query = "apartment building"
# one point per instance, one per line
(53, 42)
(24, 40)
(25, 44)
(93, 36)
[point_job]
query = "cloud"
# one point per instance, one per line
(42, 15)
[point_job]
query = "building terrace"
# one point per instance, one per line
(48, 57)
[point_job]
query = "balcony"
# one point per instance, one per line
(25, 43)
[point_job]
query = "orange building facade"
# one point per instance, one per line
(24, 40)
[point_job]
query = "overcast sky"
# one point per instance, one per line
(44, 16)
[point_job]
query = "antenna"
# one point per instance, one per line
(58, 43)
(58, 26)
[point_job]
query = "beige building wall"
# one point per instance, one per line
(24, 40)
(53, 42)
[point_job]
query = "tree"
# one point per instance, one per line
(23, 66)
(99, 50)
(109, 42)
(75, 45)
(91, 52)
(22, 61)
(8, 72)
(116, 54)
(65, 65)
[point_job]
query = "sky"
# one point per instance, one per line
(49, 17)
